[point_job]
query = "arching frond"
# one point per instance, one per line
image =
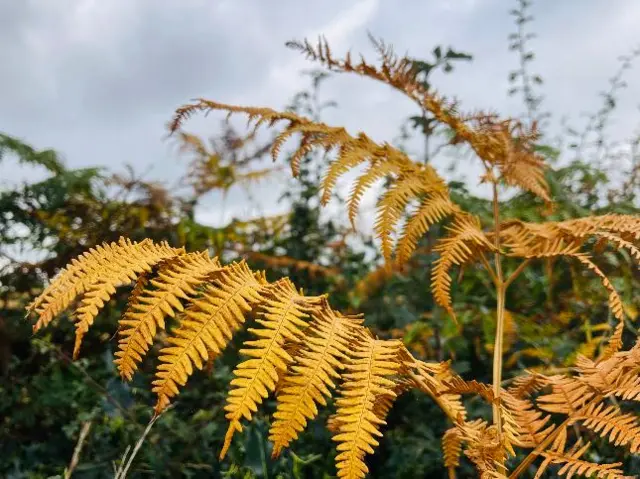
(572, 464)
(312, 377)
(205, 328)
(451, 450)
(410, 180)
(464, 242)
(177, 279)
(368, 378)
(283, 318)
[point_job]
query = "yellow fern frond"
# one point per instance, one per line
(283, 318)
(312, 376)
(451, 450)
(177, 279)
(571, 461)
(368, 377)
(464, 242)
(432, 210)
(532, 426)
(205, 328)
(94, 274)
(568, 395)
(413, 180)
(621, 429)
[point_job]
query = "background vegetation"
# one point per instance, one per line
(46, 400)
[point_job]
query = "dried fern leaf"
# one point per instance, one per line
(312, 377)
(411, 180)
(177, 279)
(368, 377)
(205, 328)
(531, 425)
(464, 241)
(433, 209)
(94, 274)
(283, 318)
(620, 429)
(451, 450)
(568, 395)
(571, 461)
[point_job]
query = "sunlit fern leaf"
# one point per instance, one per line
(116, 263)
(392, 205)
(545, 243)
(312, 377)
(505, 144)
(568, 395)
(532, 425)
(177, 279)
(376, 171)
(411, 180)
(432, 210)
(464, 241)
(526, 170)
(283, 318)
(434, 378)
(367, 378)
(571, 462)
(205, 328)
(621, 429)
(451, 450)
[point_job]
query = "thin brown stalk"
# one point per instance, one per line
(75, 459)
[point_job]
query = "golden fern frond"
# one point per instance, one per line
(116, 262)
(283, 318)
(177, 279)
(368, 377)
(409, 185)
(523, 386)
(571, 461)
(311, 378)
(205, 328)
(464, 242)
(432, 210)
(552, 245)
(451, 450)
(411, 180)
(532, 426)
(434, 379)
(621, 429)
(568, 395)
(505, 144)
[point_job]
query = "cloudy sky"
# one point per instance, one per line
(98, 79)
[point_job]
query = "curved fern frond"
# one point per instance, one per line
(413, 180)
(177, 279)
(571, 461)
(311, 378)
(451, 450)
(205, 328)
(621, 429)
(464, 242)
(95, 275)
(283, 318)
(432, 210)
(368, 377)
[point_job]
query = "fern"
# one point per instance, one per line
(306, 353)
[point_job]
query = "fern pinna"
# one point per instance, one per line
(306, 353)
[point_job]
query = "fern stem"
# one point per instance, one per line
(500, 307)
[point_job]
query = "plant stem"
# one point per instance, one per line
(500, 292)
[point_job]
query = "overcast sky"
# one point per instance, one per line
(98, 79)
